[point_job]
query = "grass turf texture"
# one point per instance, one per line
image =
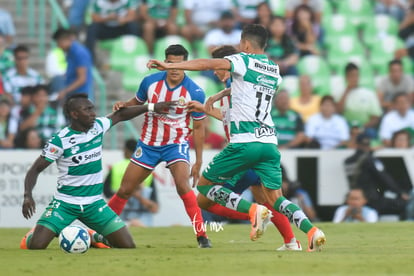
(351, 249)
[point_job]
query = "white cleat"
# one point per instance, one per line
(291, 246)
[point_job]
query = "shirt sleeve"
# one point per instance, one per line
(299, 123)
(188, 4)
(142, 93)
(53, 149)
(310, 127)
(7, 84)
(371, 215)
(197, 94)
(375, 105)
(339, 214)
(344, 129)
(106, 123)
(238, 66)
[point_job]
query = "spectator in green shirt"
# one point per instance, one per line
(111, 19)
(159, 19)
(6, 56)
(288, 123)
(281, 48)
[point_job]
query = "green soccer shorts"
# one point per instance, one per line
(236, 158)
(97, 216)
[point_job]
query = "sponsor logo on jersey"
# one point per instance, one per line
(92, 155)
(138, 152)
(77, 159)
(266, 81)
(264, 131)
(74, 149)
(266, 67)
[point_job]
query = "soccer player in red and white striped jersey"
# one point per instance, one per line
(165, 138)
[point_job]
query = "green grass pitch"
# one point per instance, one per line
(351, 249)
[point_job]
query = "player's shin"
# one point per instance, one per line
(194, 212)
(293, 213)
(282, 224)
(225, 197)
(117, 204)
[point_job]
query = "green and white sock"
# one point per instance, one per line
(225, 197)
(96, 237)
(293, 213)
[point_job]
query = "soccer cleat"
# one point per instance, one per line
(290, 246)
(316, 238)
(23, 242)
(203, 242)
(94, 243)
(259, 217)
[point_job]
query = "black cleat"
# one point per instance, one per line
(203, 242)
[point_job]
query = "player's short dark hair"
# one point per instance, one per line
(350, 67)
(21, 49)
(62, 33)
(327, 98)
(223, 51)
(130, 145)
(394, 62)
(71, 103)
(256, 34)
(176, 50)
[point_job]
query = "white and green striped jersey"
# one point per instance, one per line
(254, 81)
(78, 156)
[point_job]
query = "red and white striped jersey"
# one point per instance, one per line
(174, 127)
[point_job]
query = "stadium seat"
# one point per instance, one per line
(162, 43)
(358, 11)
(345, 47)
(337, 86)
(125, 49)
(133, 74)
(383, 51)
(278, 7)
(106, 44)
(376, 29)
(317, 68)
(291, 84)
(201, 49)
(207, 84)
(407, 65)
(335, 26)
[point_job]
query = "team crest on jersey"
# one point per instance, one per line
(74, 149)
(138, 152)
(94, 131)
(181, 102)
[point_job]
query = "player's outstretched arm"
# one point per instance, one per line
(29, 205)
(192, 65)
(120, 104)
(130, 112)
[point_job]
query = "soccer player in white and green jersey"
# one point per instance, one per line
(253, 143)
(77, 150)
